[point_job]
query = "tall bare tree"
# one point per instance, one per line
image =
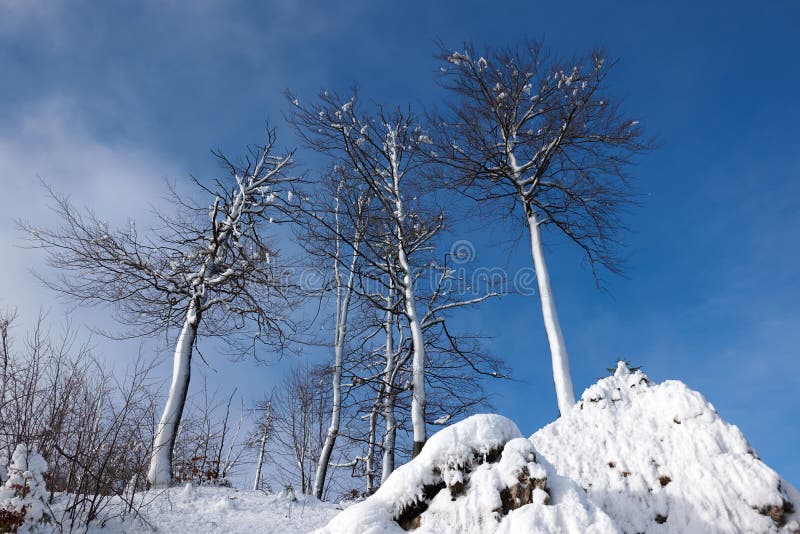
(524, 127)
(334, 230)
(382, 149)
(383, 152)
(205, 270)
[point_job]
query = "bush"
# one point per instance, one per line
(23, 497)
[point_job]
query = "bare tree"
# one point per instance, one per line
(260, 437)
(300, 409)
(524, 127)
(383, 151)
(205, 270)
(93, 427)
(334, 228)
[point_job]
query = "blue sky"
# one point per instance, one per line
(106, 99)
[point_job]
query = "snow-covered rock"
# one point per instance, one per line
(658, 458)
(479, 475)
(630, 457)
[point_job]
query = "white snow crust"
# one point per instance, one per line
(643, 451)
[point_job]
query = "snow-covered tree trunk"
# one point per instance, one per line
(418, 359)
(336, 414)
(390, 431)
(558, 349)
(389, 437)
(371, 443)
(262, 447)
(409, 301)
(159, 474)
(565, 395)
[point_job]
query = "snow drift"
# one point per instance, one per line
(630, 457)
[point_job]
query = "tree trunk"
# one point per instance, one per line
(370, 459)
(333, 429)
(558, 349)
(261, 449)
(388, 390)
(418, 360)
(342, 312)
(390, 436)
(3, 378)
(159, 474)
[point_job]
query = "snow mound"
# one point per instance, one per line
(658, 458)
(477, 476)
(630, 457)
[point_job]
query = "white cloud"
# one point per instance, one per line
(24, 16)
(50, 141)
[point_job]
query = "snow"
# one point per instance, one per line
(23, 496)
(631, 456)
(459, 455)
(644, 451)
(477, 512)
(217, 510)
(456, 58)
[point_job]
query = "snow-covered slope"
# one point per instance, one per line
(658, 458)
(629, 457)
(216, 510)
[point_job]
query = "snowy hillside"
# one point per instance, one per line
(218, 510)
(629, 457)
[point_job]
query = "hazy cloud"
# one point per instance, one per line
(49, 141)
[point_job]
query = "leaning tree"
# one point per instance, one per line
(203, 270)
(524, 127)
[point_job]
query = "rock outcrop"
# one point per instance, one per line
(631, 456)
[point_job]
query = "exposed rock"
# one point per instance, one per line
(409, 516)
(456, 480)
(521, 493)
(778, 513)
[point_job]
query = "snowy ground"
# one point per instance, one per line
(224, 510)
